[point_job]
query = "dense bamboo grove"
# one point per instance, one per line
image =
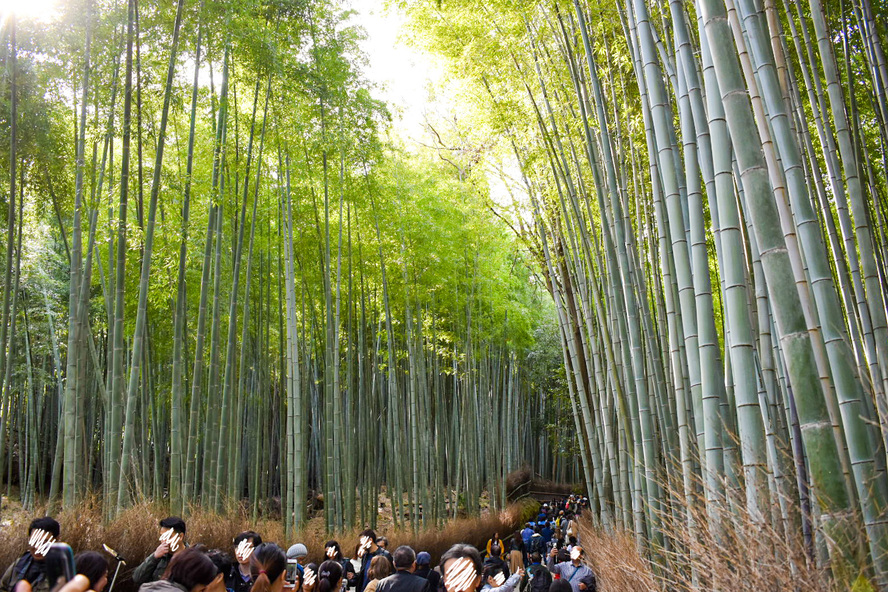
(223, 287)
(703, 186)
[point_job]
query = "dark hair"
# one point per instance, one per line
(403, 557)
(92, 565)
(173, 522)
(46, 523)
(221, 560)
(560, 585)
(191, 568)
(383, 540)
(267, 563)
(329, 575)
(496, 550)
(314, 568)
(562, 555)
(535, 557)
(248, 535)
(572, 540)
(370, 533)
(492, 569)
(335, 545)
(459, 551)
(380, 567)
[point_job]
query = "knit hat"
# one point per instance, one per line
(296, 551)
(423, 558)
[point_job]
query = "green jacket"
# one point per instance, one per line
(25, 568)
(151, 569)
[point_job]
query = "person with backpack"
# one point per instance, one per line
(538, 577)
(31, 566)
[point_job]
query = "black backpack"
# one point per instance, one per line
(539, 577)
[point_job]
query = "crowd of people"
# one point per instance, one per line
(544, 557)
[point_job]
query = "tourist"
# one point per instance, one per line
(299, 554)
(423, 570)
(190, 570)
(239, 578)
(31, 567)
(172, 541)
(367, 550)
(310, 577)
(461, 568)
(494, 541)
(495, 578)
(538, 576)
(580, 576)
(404, 580)
(268, 567)
(495, 559)
(380, 568)
(330, 577)
(516, 552)
(526, 534)
(95, 567)
(333, 551)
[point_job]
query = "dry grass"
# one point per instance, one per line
(134, 533)
(747, 557)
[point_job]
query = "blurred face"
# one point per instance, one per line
(364, 545)
(576, 553)
(39, 543)
(498, 580)
(172, 538)
(460, 575)
(331, 552)
(244, 551)
(100, 585)
(309, 579)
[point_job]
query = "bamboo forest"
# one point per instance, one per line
(630, 251)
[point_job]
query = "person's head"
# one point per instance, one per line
(423, 559)
(221, 560)
(244, 544)
(192, 570)
(332, 550)
(496, 550)
(42, 533)
(95, 567)
(310, 577)
(562, 555)
(366, 542)
(299, 552)
(404, 558)
(494, 575)
(461, 568)
(172, 532)
(537, 529)
(576, 554)
(560, 585)
(329, 576)
(572, 540)
(535, 557)
(382, 542)
(268, 566)
(380, 567)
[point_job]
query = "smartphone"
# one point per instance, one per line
(292, 571)
(60, 564)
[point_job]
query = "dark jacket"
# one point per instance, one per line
(25, 568)
(499, 563)
(539, 577)
(362, 579)
(429, 574)
(404, 581)
(235, 581)
(151, 569)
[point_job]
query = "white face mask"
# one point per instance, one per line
(244, 551)
(40, 542)
(460, 576)
(172, 538)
